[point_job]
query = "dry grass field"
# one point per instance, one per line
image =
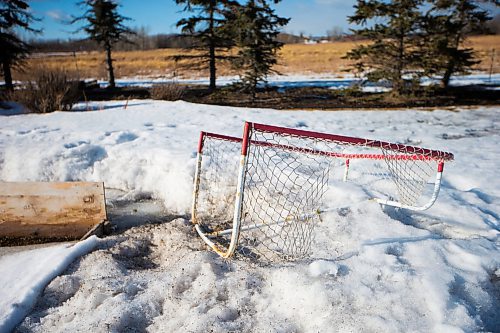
(294, 59)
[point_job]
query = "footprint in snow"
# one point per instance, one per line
(126, 137)
(75, 144)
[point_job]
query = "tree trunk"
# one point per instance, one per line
(445, 81)
(398, 84)
(7, 75)
(451, 66)
(213, 70)
(109, 61)
(254, 89)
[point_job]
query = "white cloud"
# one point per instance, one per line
(57, 15)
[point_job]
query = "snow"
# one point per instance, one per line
(332, 81)
(24, 275)
(372, 268)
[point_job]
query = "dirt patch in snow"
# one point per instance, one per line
(156, 277)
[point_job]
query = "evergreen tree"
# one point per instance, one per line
(445, 28)
(14, 14)
(393, 53)
(256, 28)
(207, 28)
(105, 26)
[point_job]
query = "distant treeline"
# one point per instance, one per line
(142, 41)
(160, 41)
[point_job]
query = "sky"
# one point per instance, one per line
(310, 17)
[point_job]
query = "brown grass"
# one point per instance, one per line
(167, 92)
(294, 59)
(48, 90)
(315, 58)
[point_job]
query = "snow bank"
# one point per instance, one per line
(372, 268)
(24, 275)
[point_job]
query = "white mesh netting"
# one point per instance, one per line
(217, 184)
(285, 177)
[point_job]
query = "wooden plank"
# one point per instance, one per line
(51, 211)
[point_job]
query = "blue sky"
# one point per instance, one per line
(311, 17)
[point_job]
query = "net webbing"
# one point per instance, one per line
(285, 179)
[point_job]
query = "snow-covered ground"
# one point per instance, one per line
(373, 269)
(25, 275)
(332, 81)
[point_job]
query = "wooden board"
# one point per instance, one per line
(50, 211)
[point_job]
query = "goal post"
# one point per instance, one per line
(261, 195)
(216, 182)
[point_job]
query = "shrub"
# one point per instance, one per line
(167, 91)
(49, 90)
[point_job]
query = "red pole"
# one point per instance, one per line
(200, 142)
(440, 166)
(246, 141)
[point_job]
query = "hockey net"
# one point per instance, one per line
(265, 202)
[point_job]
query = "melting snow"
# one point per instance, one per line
(372, 268)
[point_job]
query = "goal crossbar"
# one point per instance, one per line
(434, 154)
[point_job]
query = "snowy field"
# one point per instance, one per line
(332, 81)
(373, 269)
